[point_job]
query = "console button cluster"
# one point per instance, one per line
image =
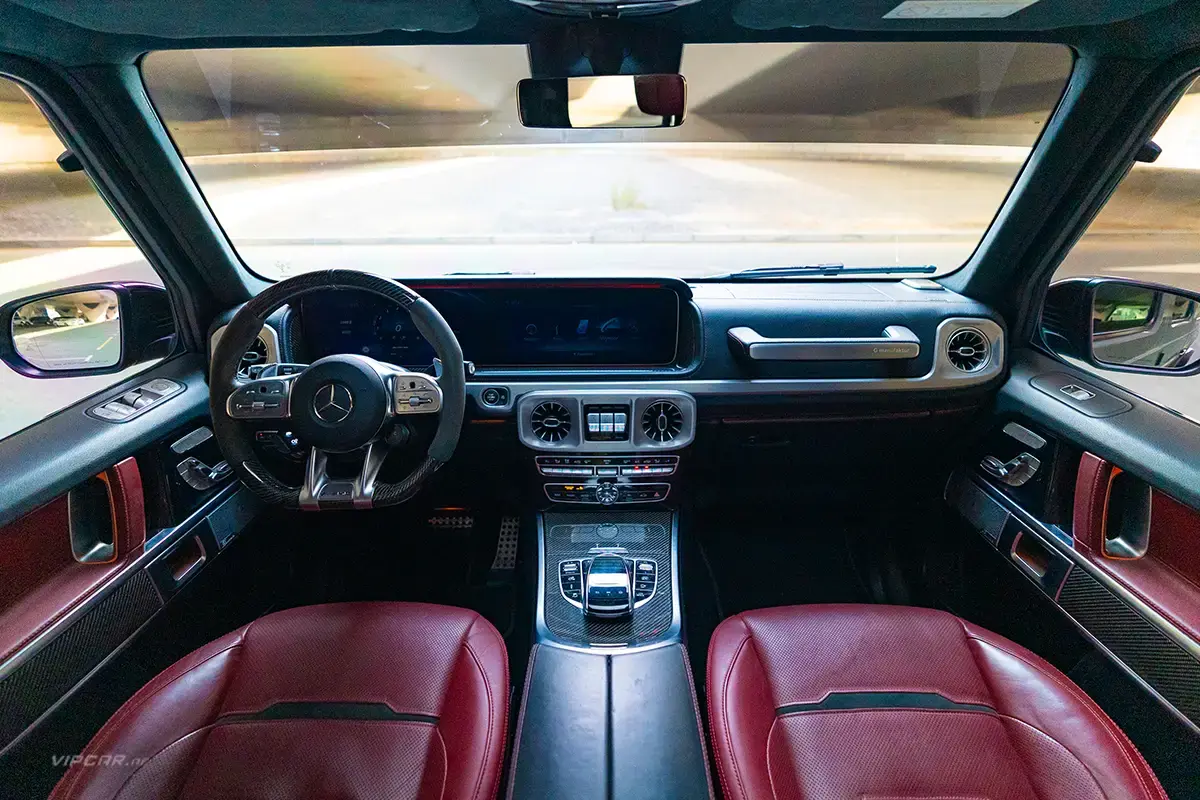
(136, 401)
(607, 423)
(606, 466)
(570, 580)
(572, 576)
(645, 577)
(608, 493)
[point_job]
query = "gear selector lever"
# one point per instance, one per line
(608, 588)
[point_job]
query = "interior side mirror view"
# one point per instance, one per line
(1124, 325)
(86, 330)
(605, 101)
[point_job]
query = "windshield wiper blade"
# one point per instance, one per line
(808, 270)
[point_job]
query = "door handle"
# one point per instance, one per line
(1016, 472)
(897, 342)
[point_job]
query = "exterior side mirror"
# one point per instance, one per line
(1124, 325)
(86, 330)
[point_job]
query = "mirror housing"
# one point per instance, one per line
(81, 321)
(1123, 325)
(603, 101)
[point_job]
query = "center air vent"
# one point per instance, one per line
(551, 422)
(255, 354)
(662, 421)
(968, 350)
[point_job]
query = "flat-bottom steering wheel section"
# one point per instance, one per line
(341, 404)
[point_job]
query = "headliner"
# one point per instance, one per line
(115, 31)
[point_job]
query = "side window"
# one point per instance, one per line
(1149, 231)
(57, 234)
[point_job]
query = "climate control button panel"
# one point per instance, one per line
(607, 494)
(606, 466)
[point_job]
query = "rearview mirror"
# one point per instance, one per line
(1124, 325)
(605, 101)
(86, 330)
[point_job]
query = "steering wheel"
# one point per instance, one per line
(338, 404)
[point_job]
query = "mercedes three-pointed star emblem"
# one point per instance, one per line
(333, 403)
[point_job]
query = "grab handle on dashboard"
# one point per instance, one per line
(897, 342)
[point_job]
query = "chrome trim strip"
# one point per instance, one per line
(897, 342)
(269, 336)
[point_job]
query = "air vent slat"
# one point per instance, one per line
(551, 422)
(968, 350)
(662, 421)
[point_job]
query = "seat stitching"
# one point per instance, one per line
(1088, 704)
(992, 697)
(1060, 744)
(487, 742)
(445, 761)
(687, 669)
(512, 780)
(770, 774)
(725, 711)
(114, 724)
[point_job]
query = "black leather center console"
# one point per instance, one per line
(595, 727)
(609, 707)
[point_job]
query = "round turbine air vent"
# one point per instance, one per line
(551, 422)
(968, 350)
(662, 421)
(255, 354)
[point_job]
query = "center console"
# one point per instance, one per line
(608, 578)
(610, 707)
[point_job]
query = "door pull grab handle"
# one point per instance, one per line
(897, 342)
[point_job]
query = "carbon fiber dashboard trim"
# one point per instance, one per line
(655, 623)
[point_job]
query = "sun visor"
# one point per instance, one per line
(171, 19)
(947, 15)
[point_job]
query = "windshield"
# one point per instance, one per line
(412, 161)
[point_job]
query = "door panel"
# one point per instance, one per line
(99, 529)
(1167, 575)
(1111, 528)
(45, 576)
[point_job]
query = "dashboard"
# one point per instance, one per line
(498, 326)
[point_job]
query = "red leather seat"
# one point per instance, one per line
(843, 701)
(353, 700)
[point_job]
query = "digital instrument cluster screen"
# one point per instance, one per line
(577, 326)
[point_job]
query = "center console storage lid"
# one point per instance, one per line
(596, 726)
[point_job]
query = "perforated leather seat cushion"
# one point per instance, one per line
(889, 703)
(353, 700)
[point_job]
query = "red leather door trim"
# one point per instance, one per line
(1167, 578)
(128, 504)
(42, 582)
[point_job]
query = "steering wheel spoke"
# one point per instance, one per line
(321, 492)
(263, 398)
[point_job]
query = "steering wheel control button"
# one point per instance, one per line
(416, 394)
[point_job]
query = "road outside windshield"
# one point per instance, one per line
(410, 161)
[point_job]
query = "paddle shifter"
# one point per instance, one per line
(608, 590)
